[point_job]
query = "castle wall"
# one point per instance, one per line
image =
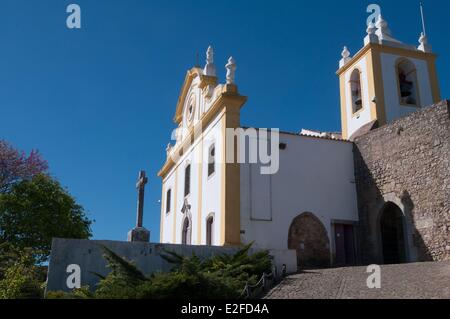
(407, 163)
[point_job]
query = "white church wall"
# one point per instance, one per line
(205, 192)
(211, 185)
(167, 218)
(355, 121)
(316, 176)
(394, 110)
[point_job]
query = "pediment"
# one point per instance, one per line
(191, 75)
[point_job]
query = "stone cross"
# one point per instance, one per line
(140, 234)
(140, 186)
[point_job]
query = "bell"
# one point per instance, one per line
(406, 88)
(410, 100)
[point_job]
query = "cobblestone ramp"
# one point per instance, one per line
(409, 281)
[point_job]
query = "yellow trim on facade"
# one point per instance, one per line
(434, 80)
(231, 178)
(205, 120)
(386, 49)
(343, 107)
(371, 85)
(343, 89)
(378, 85)
(372, 52)
(190, 76)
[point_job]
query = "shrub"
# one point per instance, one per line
(22, 279)
(218, 277)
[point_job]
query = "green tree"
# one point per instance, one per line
(37, 210)
(22, 279)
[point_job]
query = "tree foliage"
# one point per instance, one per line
(37, 210)
(16, 166)
(218, 277)
(22, 279)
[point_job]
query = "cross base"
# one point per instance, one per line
(139, 234)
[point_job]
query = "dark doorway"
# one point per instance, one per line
(309, 238)
(186, 234)
(392, 234)
(209, 230)
(344, 238)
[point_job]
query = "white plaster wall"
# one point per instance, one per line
(197, 156)
(167, 218)
(394, 109)
(211, 185)
(316, 176)
(363, 117)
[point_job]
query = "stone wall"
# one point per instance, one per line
(88, 256)
(408, 163)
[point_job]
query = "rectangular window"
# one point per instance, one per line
(168, 200)
(211, 160)
(187, 181)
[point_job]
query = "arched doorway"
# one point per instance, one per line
(210, 230)
(392, 234)
(309, 238)
(186, 232)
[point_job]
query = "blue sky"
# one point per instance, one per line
(98, 102)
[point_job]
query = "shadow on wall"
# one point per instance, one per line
(387, 232)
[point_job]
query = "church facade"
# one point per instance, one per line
(377, 192)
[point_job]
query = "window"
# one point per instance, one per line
(190, 112)
(168, 200)
(209, 230)
(211, 160)
(187, 181)
(356, 91)
(407, 83)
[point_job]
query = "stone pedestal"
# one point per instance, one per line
(139, 234)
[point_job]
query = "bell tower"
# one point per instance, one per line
(385, 80)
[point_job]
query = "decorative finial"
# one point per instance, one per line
(345, 57)
(210, 55)
(345, 53)
(424, 46)
(371, 28)
(423, 39)
(381, 23)
(168, 149)
(371, 36)
(210, 68)
(383, 31)
(231, 70)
